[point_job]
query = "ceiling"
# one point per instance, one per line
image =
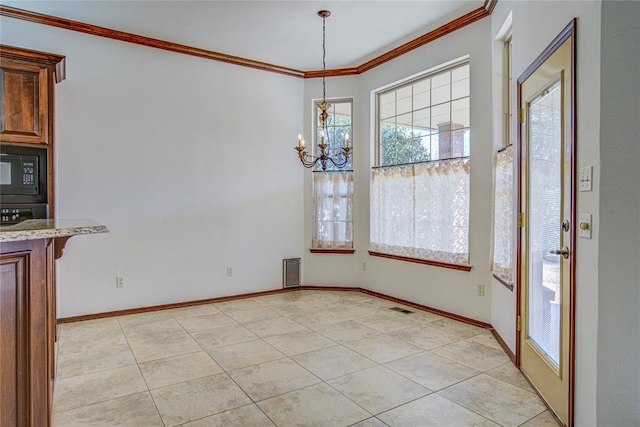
(285, 33)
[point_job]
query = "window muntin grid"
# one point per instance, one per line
(337, 125)
(426, 119)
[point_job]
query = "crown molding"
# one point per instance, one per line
(94, 30)
(485, 10)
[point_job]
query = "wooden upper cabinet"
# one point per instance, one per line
(26, 94)
(23, 103)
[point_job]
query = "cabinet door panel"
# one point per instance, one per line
(23, 103)
(13, 339)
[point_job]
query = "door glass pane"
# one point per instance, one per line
(545, 220)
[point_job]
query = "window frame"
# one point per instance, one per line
(331, 169)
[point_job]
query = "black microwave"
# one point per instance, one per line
(23, 174)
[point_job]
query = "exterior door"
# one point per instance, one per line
(547, 221)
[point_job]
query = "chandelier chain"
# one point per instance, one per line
(324, 55)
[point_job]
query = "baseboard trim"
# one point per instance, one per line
(277, 291)
(504, 346)
(442, 313)
(169, 306)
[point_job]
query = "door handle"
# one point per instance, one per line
(564, 252)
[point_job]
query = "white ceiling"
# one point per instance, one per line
(285, 33)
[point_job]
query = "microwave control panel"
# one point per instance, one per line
(29, 176)
(28, 173)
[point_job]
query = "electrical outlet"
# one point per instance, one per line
(229, 271)
(480, 289)
(586, 178)
(119, 281)
(364, 266)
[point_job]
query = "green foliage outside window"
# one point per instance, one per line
(398, 145)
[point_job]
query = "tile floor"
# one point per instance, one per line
(304, 358)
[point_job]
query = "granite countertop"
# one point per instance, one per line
(33, 229)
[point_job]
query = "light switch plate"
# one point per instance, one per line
(586, 178)
(584, 226)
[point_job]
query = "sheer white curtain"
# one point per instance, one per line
(503, 215)
(333, 210)
(422, 211)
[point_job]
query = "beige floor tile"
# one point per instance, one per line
(97, 387)
(272, 378)
(204, 322)
(383, 348)
(152, 329)
(143, 318)
(436, 411)
(453, 327)
(225, 335)
(133, 410)
(545, 419)
(317, 318)
(474, 355)
(423, 316)
(315, 406)
(496, 400)
(86, 341)
(299, 342)
(352, 311)
(195, 399)
(424, 337)
(510, 374)
(486, 338)
(371, 422)
(378, 389)
(388, 321)
(194, 310)
(344, 332)
(160, 347)
(238, 304)
(177, 369)
(86, 362)
(249, 416)
(431, 370)
(333, 362)
(271, 327)
(275, 299)
(253, 314)
(88, 327)
(244, 354)
(292, 308)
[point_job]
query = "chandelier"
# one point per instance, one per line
(324, 145)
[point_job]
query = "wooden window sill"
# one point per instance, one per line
(504, 282)
(332, 251)
(461, 267)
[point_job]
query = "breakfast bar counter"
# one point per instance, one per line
(28, 251)
(33, 229)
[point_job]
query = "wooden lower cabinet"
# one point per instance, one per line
(27, 331)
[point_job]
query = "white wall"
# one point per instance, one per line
(535, 25)
(450, 290)
(618, 399)
(503, 299)
(331, 269)
(189, 162)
